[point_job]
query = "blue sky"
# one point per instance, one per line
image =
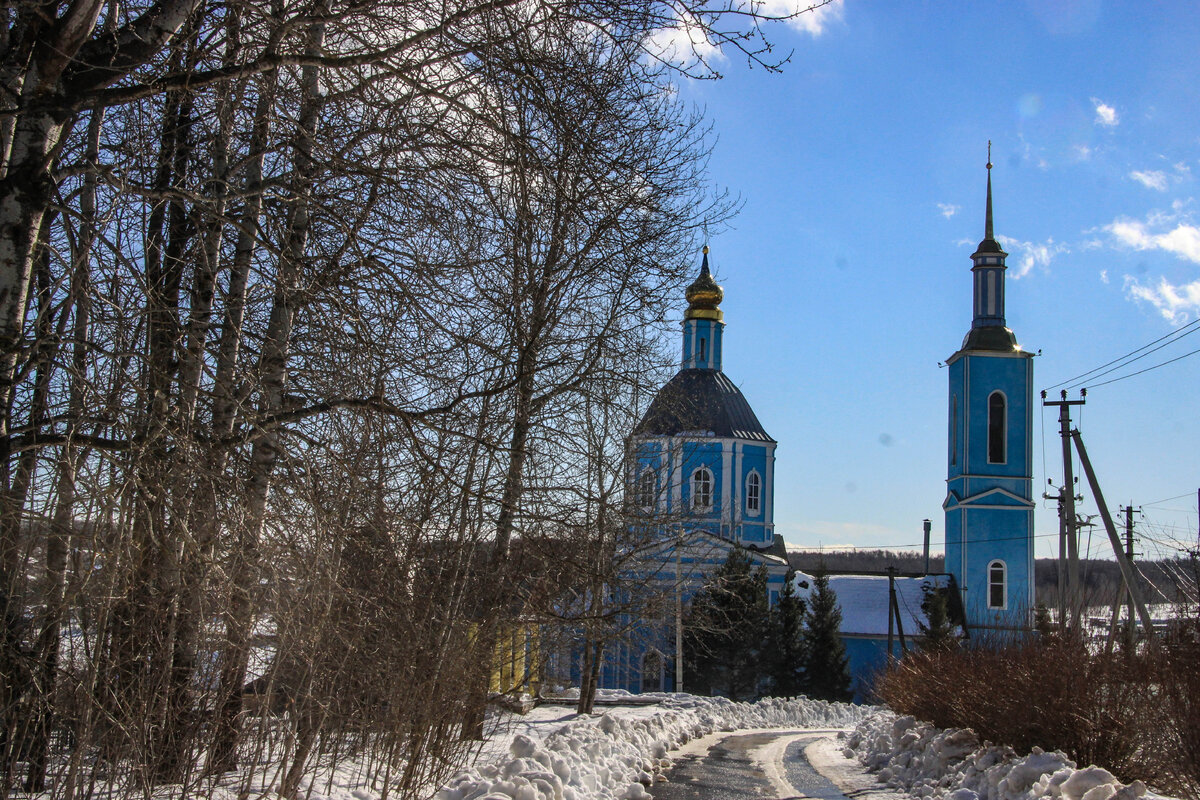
(847, 277)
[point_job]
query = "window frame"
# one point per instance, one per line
(997, 438)
(954, 429)
(647, 489)
(993, 585)
(754, 481)
(705, 475)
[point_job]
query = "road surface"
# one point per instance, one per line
(749, 766)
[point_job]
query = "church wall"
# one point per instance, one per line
(1012, 376)
(752, 528)
(990, 525)
(998, 534)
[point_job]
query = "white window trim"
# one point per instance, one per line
(754, 512)
(639, 487)
(1003, 585)
(692, 489)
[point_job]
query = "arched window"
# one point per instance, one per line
(997, 585)
(702, 489)
(954, 430)
(753, 494)
(997, 428)
(647, 489)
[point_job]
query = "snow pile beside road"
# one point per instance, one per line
(935, 763)
(614, 756)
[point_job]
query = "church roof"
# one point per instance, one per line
(864, 601)
(701, 401)
(991, 337)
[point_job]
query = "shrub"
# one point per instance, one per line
(1137, 714)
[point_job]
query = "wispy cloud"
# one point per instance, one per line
(1031, 254)
(1151, 178)
(812, 19)
(1105, 114)
(1173, 233)
(684, 43)
(1182, 240)
(1176, 302)
(1083, 152)
(1104, 276)
(948, 209)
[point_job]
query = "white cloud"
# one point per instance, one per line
(1151, 178)
(1031, 254)
(1104, 276)
(684, 43)
(1083, 152)
(948, 209)
(1176, 302)
(812, 17)
(1105, 114)
(1170, 233)
(1182, 241)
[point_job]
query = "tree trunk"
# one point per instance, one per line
(265, 452)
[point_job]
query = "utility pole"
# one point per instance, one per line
(1067, 531)
(678, 615)
(1114, 540)
(927, 527)
(1062, 555)
(1129, 627)
(891, 572)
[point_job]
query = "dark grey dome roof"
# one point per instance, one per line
(701, 401)
(991, 337)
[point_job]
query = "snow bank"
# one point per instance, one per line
(615, 756)
(930, 762)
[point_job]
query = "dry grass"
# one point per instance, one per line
(1137, 714)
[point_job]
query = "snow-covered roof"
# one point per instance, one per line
(864, 601)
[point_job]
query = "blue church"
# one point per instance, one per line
(989, 478)
(701, 472)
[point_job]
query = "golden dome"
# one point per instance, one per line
(704, 296)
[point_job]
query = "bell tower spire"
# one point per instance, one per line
(988, 331)
(987, 225)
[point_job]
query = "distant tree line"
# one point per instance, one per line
(1158, 579)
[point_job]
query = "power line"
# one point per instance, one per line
(1176, 334)
(1169, 499)
(1147, 369)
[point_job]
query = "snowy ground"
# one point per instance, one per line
(928, 762)
(615, 754)
(554, 754)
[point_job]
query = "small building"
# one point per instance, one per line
(870, 617)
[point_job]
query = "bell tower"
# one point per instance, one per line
(989, 499)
